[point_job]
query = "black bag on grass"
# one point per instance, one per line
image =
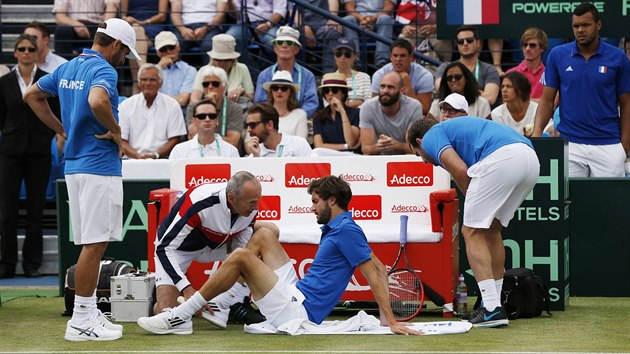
(108, 269)
(524, 294)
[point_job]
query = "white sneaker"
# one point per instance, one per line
(166, 323)
(92, 330)
(219, 318)
(105, 321)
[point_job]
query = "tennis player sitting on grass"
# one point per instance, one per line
(496, 168)
(268, 271)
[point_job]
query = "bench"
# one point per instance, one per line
(384, 187)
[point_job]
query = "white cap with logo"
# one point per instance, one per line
(122, 31)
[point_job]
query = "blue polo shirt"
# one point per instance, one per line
(342, 248)
(589, 91)
(472, 138)
(72, 82)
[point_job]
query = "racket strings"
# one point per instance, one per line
(405, 293)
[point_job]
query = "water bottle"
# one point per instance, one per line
(461, 306)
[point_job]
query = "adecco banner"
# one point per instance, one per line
(509, 18)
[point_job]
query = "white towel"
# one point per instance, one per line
(361, 323)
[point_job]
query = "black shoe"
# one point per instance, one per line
(487, 319)
(243, 312)
(32, 273)
(6, 274)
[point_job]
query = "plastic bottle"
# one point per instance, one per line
(461, 306)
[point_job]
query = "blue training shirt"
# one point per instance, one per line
(589, 91)
(72, 82)
(471, 137)
(342, 248)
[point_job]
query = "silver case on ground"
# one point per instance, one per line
(132, 296)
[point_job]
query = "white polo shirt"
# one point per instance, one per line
(192, 149)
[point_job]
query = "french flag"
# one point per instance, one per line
(472, 12)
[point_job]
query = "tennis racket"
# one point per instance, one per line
(406, 293)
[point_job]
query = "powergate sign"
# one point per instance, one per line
(554, 17)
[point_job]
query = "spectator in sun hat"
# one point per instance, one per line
(359, 82)
(287, 46)
(281, 92)
(336, 127)
(240, 87)
(178, 75)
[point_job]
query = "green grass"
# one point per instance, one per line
(589, 325)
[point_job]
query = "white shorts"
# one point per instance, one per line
(500, 182)
(95, 208)
(596, 160)
(183, 259)
(284, 302)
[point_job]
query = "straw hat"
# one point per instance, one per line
(281, 77)
(334, 80)
(223, 47)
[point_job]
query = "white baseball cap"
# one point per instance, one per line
(122, 31)
(456, 101)
(165, 38)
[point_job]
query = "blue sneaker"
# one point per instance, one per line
(487, 319)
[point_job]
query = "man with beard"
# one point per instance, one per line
(592, 78)
(276, 290)
(383, 120)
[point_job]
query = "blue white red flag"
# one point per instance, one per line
(472, 12)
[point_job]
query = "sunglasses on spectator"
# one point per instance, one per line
(202, 116)
(530, 44)
(167, 48)
(468, 40)
(345, 53)
(30, 49)
(214, 84)
(251, 125)
(334, 90)
(281, 43)
(454, 77)
(281, 88)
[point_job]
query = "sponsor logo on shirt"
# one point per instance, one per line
(409, 174)
(299, 175)
(196, 175)
(269, 208)
(366, 207)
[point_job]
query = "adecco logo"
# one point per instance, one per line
(211, 173)
(299, 175)
(365, 207)
(409, 174)
(269, 208)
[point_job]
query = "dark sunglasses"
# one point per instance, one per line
(167, 48)
(454, 77)
(251, 125)
(281, 43)
(530, 44)
(30, 49)
(345, 53)
(214, 84)
(281, 88)
(202, 116)
(334, 90)
(468, 40)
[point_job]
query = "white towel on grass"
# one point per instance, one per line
(361, 323)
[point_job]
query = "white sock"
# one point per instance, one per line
(82, 309)
(489, 294)
(232, 296)
(93, 308)
(498, 284)
(190, 306)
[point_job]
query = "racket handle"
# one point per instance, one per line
(403, 229)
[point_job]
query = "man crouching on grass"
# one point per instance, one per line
(275, 288)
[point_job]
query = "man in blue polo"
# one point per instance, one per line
(496, 168)
(593, 79)
(86, 87)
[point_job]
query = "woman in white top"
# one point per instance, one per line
(359, 82)
(281, 93)
(517, 111)
(460, 80)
